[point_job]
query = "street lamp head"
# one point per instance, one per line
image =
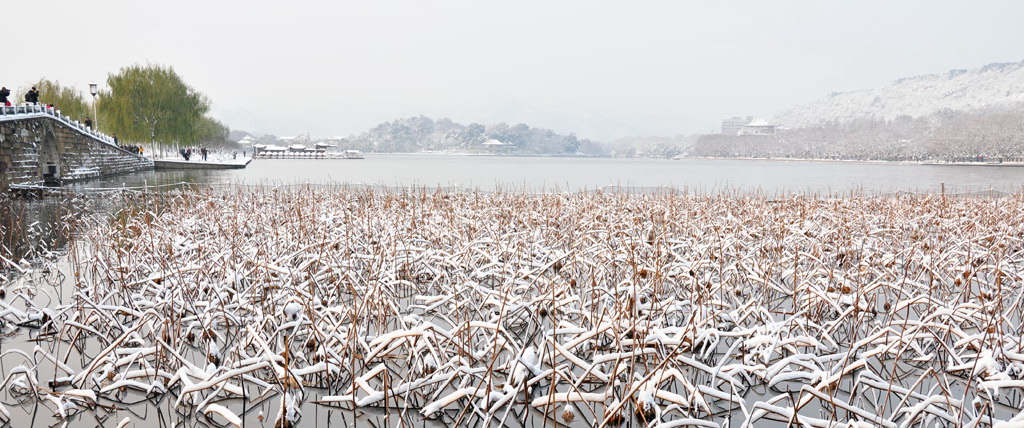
(93, 89)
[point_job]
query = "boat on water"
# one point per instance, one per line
(353, 154)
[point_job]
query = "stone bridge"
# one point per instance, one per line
(40, 146)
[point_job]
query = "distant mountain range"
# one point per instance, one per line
(999, 85)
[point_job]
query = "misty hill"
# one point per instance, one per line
(960, 116)
(999, 86)
(986, 135)
(418, 134)
(561, 118)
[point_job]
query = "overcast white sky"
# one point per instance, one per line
(600, 69)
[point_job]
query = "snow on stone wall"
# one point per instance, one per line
(28, 146)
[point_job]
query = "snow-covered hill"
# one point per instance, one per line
(994, 85)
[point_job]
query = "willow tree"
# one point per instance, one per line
(152, 103)
(69, 101)
(210, 132)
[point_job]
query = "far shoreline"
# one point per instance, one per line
(864, 162)
(794, 160)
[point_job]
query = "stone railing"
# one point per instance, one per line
(24, 111)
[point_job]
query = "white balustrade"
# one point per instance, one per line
(30, 109)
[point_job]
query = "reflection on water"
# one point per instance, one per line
(33, 225)
(31, 228)
(158, 180)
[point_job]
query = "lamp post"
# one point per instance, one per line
(94, 89)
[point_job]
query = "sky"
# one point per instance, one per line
(599, 69)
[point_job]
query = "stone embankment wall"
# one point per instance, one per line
(41, 149)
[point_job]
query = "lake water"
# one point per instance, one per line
(579, 174)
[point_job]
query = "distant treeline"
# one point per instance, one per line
(990, 135)
(418, 134)
(984, 135)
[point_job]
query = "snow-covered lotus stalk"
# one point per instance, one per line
(487, 308)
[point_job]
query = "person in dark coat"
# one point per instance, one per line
(32, 96)
(4, 93)
(88, 122)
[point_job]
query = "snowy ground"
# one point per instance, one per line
(214, 160)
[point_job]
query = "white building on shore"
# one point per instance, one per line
(757, 127)
(746, 126)
(733, 125)
(247, 141)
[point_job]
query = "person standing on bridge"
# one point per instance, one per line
(4, 93)
(88, 122)
(32, 96)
